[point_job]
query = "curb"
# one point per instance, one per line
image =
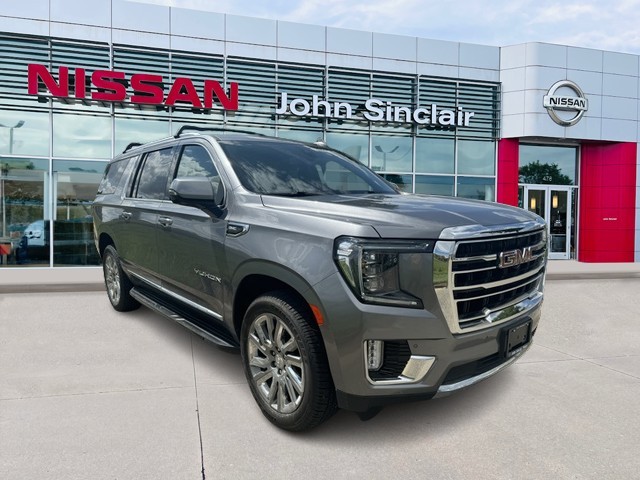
(52, 288)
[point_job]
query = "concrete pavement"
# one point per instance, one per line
(86, 392)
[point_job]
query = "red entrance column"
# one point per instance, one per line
(508, 158)
(607, 202)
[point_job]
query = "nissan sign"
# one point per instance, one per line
(565, 110)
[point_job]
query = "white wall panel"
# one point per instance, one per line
(399, 66)
(584, 59)
(542, 78)
(397, 47)
(197, 45)
(350, 42)
(512, 126)
(194, 23)
(437, 70)
(533, 101)
(479, 74)
(620, 108)
(541, 125)
(438, 52)
(140, 16)
(301, 56)
(251, 51)
(512, 103)
(620, 63)
(514, 56)
(479, 56)
(349, 61)
(589, 82)
(513, 80)
(80, 32)
(303, 37)
(31, 9)
(547, 55)
(130, 37)
(619, 130)
(78, 11)
(588, 128)
(23, 26)
(259, 31)
(620, 86)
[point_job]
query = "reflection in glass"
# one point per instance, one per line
(140, 130)
(543, 164)
(434, 184)
(558, 220)
(301, 135)
(85, 136)
(24, 133)
(75, 185)
(476, 157)
(352, 144)
(435, 155)
(24, 232)
(477, 188)
(391, 153)
(403, 182)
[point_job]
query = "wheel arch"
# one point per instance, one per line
(257, 278)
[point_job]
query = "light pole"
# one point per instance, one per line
(17, 125)
(384, 155)
(4, 172)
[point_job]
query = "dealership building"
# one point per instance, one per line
(551, 128)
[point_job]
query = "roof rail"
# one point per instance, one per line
(131, 145)
(214, 129)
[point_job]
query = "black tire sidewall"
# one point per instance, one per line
(291, 316)
(125, 302)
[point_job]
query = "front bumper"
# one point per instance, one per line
(461, 360)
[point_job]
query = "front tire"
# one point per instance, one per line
(117, 283)
(285, 362)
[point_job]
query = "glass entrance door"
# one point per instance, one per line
(554, 204)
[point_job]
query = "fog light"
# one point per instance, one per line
(374, 354)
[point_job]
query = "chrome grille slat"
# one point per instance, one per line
(500, 283)
(497, 293)
(533, 280)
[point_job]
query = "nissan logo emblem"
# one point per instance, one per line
(556, 104)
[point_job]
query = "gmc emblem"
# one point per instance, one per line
(515, 257)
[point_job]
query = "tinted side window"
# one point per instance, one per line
(113, 175)
(152, 180)
(195, 161)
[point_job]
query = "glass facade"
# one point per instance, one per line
(53, 151)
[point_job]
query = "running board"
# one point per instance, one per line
(152, 302)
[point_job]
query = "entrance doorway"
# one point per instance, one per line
(555, 204)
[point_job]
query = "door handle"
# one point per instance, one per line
(165, 221)
(125, 215)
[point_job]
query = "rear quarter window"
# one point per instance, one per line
(113, 176)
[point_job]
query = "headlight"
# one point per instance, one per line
(371, 268)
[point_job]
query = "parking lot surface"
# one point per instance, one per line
(86, 392)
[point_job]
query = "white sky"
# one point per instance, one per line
(601, 24)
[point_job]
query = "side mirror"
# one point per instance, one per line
(196, 190)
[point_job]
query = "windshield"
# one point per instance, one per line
(294, 169)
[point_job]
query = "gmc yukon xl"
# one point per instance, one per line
(338, 290)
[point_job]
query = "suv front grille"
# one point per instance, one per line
(489, 280)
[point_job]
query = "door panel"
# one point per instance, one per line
(190, 253)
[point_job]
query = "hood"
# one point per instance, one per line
(403, 216)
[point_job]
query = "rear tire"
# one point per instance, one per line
(117, 283)
(285, 362)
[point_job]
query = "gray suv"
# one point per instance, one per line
(338, 290)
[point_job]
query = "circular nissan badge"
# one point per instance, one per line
(565, 109)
